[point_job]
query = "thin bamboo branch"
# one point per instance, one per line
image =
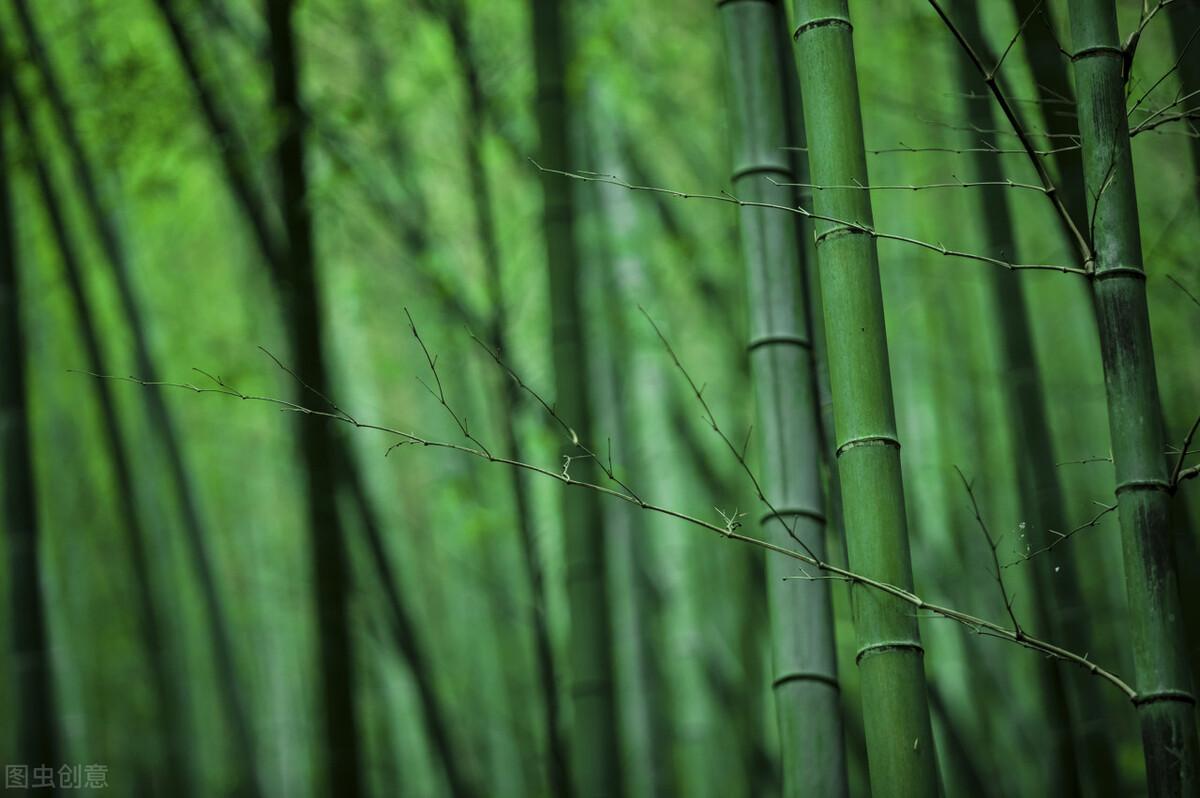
(856, 226)
(923, 186)
(993, 546)
(993, 84)
(727, 528)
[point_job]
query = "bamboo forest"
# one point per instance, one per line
(600, 398)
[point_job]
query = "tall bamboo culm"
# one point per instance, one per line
(34, 707)
(1165, 703)
(594, 755)
(1074, 730)
(900, 754)
(805, 683)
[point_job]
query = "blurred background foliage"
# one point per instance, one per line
(390, 192)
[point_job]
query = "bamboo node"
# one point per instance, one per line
(868, 440)
(888, 646)
(1135, 484)
(1099, 49)
(806, 676)
(1117, 271)
(764, 340)
(843, 229)
(821, 22)
(760, 169)
(1141, 699)
(782, 512)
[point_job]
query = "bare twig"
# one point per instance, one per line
(440, 392)
(1131, 43)
(941, 249)
(970, 95)
(739, 455)
(955, 183)
(990, 131)
(1186, 474)
(1184, 289)
(988, 148)
(1103, 459)
(1177, 471)
(1021, 29)
(1160, 116)
(993, 545)
(1062, 537)
(605, 466)
(727, 528)
(1174, 67)
(989, 78)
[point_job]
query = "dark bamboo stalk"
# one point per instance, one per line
(1165, 703)
(256, 208)
(595, 757)
(408, 641)
(35, 707)
(1185, 34)
(962, 758)
(300, 292)
(1080, 743)
(171, 719)
(1185, 22)
(239, 173)
(1052, 84)
(557, 774)
(633, 370)
(228, 686)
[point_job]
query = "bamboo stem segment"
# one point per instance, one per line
(900, 749)
(805, 686)
(1165, 703)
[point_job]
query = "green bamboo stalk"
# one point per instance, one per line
(35, 705)
(257, 210)
(1165, 704)
(595, 758)
(497, 325)
(319, 451)
(172, 720)
(1079, 741)
(960, 758)
(195, 532)
(805, 686)
(634, 370)
(899, 736)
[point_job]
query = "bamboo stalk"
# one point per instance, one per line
(319, 452)
(805, 686)
(635, 375)
(899, 737)
(595, 757)
(170, 709)
(455, 16)
(1165, 703)
(35, 706)
(258, 210)
(1080, 743)
(195, 533)
(1053, 86)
